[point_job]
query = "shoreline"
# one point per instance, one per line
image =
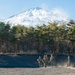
(37, 71)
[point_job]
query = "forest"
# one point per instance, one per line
(51, 38)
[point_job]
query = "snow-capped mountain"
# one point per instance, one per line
(37, 16)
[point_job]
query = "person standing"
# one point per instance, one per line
(40, 61)
(45, 61)
(52, 60)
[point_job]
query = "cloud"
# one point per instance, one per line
(44, 6)
(61, 12)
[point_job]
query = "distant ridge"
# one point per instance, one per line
(37, 16)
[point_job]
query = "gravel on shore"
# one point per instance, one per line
(38, 71)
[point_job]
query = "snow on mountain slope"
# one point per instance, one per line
(37, 16)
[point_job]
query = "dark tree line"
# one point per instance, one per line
(41, 39)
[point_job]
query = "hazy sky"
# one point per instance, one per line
(12, 7)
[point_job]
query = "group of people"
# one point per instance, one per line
(44, 62)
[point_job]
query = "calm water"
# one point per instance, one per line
(29, 61)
